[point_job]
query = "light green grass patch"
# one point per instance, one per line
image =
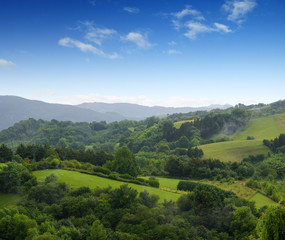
(76, 179)
(177, 125)
(233, 151)
(7, 200)
(261, 200)
(263, 128)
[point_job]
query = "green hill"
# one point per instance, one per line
(76, 179)
(259, 128)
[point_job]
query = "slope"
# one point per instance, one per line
(259, 128)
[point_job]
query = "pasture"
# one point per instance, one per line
(259, 128)
(76, 179)
(261, 200)
(7, 200)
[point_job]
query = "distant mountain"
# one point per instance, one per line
(139, 112)
(14, 109)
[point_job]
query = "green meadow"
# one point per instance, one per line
(238, 187)
(261, 200)
(177, 125)
(76, 179)
(7, 200)
(233, 151)
(239, 148)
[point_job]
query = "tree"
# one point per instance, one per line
(271, 225)
(124, 162)
(6, 153)
(243, 222)
(98, 231)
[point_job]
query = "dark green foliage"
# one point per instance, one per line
(6, 154)
(124, 162)
(174, 166)
(206, 196)
(13, 177)
(276, 145)
(153, 182)
(195, 153)
(122, 197)
(148, 200)
(243, 222)
(49, 193)
(272, 224)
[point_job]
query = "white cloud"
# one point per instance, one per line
(131, 10)
(138, 39)
(97, 35)
(188, 11)
(6, 64)
(222, 28)
(173, 101)
(238, 9)
(173, 52)
(71, 43)
(196, 28)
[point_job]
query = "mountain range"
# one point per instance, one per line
(14, 109)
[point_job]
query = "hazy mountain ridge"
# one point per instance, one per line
(135, 111)
(14, 109)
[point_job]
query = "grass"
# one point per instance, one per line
(76, 179)
(7, 200)
(177, 125)
(237, 187)
(261, 200)
(234, 151)
(263, 128)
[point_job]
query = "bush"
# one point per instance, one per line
(153, 183)
(101, 170)
(250, 138)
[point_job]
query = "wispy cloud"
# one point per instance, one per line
(131, 10)
(189, 11)
(173, 52)
(222, 28)
(196, 28)
(137, 38)
(7, 64)
(97, 35)
(177, 17)
(238, 9)
(84, 47)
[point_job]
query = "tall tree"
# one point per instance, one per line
(124, 162)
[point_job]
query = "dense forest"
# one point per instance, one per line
(125, 151)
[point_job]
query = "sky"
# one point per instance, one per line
(150, 52)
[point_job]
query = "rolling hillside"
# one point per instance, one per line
(259, 128)
(76, 179)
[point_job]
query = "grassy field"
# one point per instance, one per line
(238, 188)
(7, 200)
(260, 128)
(263, 128)
(75, 180)
(261, 200)
(233, 151)
(177, 125)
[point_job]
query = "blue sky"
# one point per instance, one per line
(159, 52)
